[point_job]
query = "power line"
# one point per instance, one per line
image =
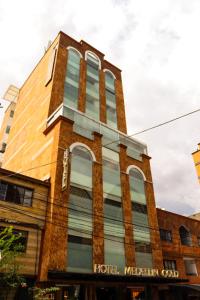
(74, 229)
(156, 126)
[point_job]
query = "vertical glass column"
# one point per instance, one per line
(71, 87)
(80, 212)
(111, 113)
(92, 87)
(143, 252)
(113, 216)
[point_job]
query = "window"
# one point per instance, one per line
(185, 236)
(22, 240)
(71, 87)
(166, 235)
(7, 129)
(111, 113)
(80, 225)
(113, 215)
(16, 194)
(198, 240)
(141, 231)
(111, 173)
(3, 147)
(92, 86)
(11, 113)
(169, 264)
(190, 266)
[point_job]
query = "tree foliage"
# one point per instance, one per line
(10, 249)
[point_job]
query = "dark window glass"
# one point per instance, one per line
(169, 264)
(143, 247)
(141, 208)
(198, 240)
(7, 129)
(15, 193)
(185, 236)
(11, 113)
(166, 235)
(3, 147)
(22, 239)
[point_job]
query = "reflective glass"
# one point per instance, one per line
(92, 88)
(79, 254)
(114, 251)
(81, 167)
(71, 88)
(111, 113)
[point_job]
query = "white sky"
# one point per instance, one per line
(155, 43)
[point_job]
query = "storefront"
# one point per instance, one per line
(98, 286)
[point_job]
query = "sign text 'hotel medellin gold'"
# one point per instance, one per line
(112, 270)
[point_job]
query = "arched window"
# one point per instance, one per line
(185, 236)
(111, 113)
(92, 85)
(71, 87)
(80, 211)
(141, 233)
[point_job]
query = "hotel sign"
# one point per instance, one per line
(134, 271)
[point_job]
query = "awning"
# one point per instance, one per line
(93, 277)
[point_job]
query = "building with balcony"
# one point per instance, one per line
(101, 238)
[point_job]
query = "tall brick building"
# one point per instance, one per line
(69, 128)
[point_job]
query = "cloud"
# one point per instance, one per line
(155, 43)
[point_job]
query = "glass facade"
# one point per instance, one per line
(111, 113)
(113, 216)
(143, 252)
(71, 87)
(80, 212)
(92, 87)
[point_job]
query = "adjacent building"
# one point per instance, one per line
(23, 205)
(180, 242)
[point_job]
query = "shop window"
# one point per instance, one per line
(185, 236)
(71, 87)
(169, 264)
(92, 86)
(16, 194)
(166, 235)
(190, 266)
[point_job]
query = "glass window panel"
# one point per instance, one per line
(79, 254)
(141, 233)
(114, 252)
(143, 260)
(111, 112)
(113, 218)
(110, 138)
(28, 197)
(190, 267)
(3, 190)
(166, 235)
(80, 210)
(71, 88)
(92, 88)
(137, 189)
(81, 167)
(169, 264)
